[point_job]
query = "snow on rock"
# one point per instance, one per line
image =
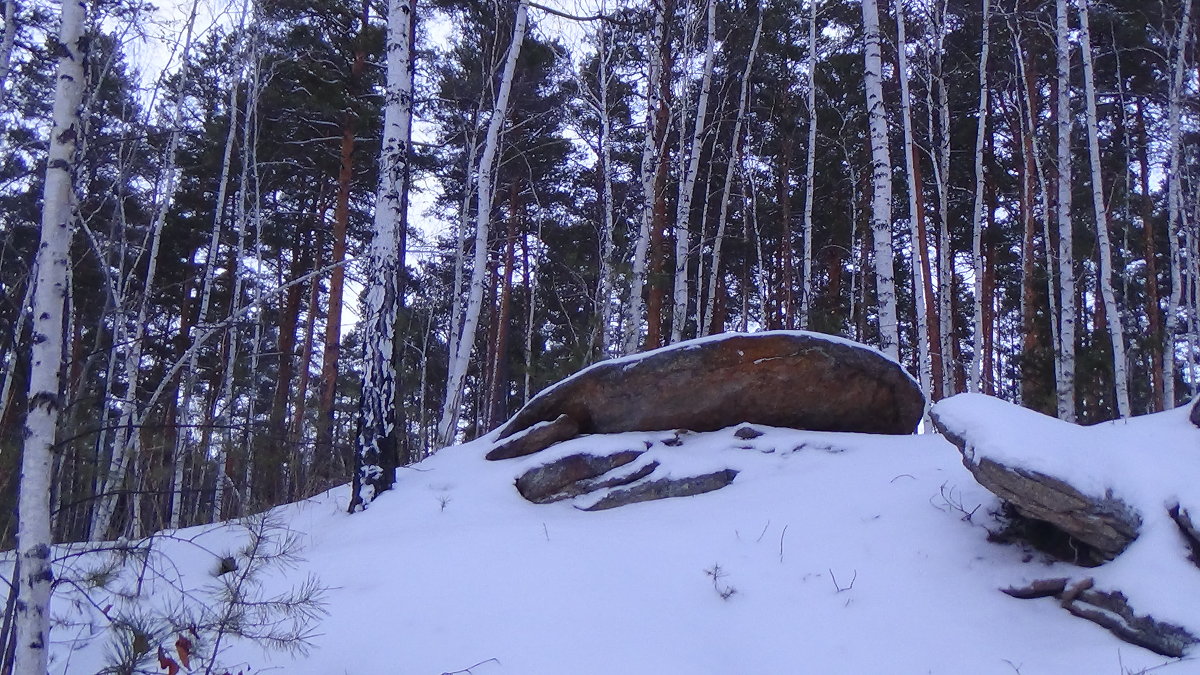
(1122, 489)
(792, 379)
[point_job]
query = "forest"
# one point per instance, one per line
(304, 242)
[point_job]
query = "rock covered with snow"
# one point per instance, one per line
(790, 379)
(1114, 497)
(1091, 515)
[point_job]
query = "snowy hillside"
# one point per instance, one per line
(829, 553)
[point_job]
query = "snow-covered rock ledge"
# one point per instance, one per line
(1116, 497)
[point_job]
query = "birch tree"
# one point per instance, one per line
(706, 321)
(1111, 311)
(375, 451)
(881, 178)
(920, 263)
(650, 151)
(118, 468)
(977, 215)
(46, 369)
(1066, 255)
(1175, 204)
(687, 185)
(463, 343)
(810, 171)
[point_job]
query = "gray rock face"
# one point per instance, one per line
(665, 488)
(785, 379)
(1105, 524)
(572, 476)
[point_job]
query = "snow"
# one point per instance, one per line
(1150, 463)
(454, 570)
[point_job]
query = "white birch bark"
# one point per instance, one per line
(118, 468)
(734, 161)
(6, 48)
(809, 171)
(465, 342)
(604, 281)
(32, 621)
(633, 319)
(687, 186)
(375, 444)
(1175, 203)
(186, 414)
(941, 172)
(977, 216)
(1066, 256)
(881, 174)
(1111, 310)
(224, 419)
(925, 364)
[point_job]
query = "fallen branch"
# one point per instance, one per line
(469, 669)
(1110, 610)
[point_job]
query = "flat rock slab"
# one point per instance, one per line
(570, 476)
(536, 438)
(664, 488)
(1101, 520)
(791, 379)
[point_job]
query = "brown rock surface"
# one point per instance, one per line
(536, 438)
(786, 379)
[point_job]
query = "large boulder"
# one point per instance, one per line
(790, 379)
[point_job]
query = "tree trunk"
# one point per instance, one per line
(604, 280)
(810, 191)
(325, 460)
(1150, 256)
(46, 355)
(977, 220)
(881, 174)
(1113, 314)
(6, 49)
(375, 449)
(916, 214)
(1175, 203)
(1066, 256)
(464, 343)
(650, 150)
(710, 322)
(687, 186)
